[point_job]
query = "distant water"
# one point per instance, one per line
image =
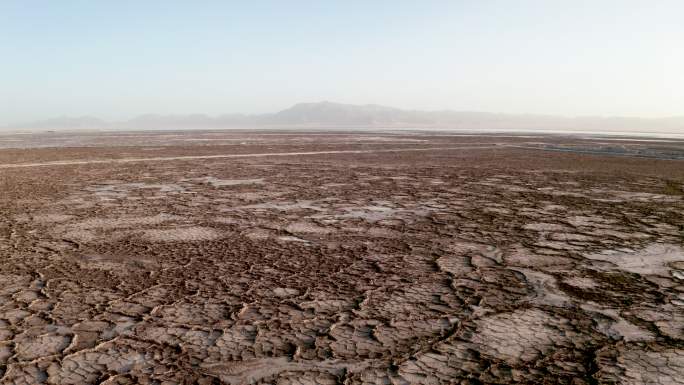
(609, 135)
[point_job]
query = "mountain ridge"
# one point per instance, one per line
(330, 114)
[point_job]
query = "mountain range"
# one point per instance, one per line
(337, 115)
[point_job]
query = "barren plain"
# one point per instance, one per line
(238, 257)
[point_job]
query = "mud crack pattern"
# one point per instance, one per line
(438, 267)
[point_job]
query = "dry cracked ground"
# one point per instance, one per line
(340, 258)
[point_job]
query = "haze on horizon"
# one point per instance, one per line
(116, 60)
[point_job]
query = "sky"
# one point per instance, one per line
(119, 59)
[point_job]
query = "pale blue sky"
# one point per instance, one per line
(117, 59)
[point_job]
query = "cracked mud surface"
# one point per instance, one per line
(483, 260)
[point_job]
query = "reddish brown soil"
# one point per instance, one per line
(456, 259)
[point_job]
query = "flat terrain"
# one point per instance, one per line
(262, 257)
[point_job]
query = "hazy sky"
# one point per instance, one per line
(116, 59)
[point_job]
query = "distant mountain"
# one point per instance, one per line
(184, 121)
(63, 123)
(327, 113)
(337, 115)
